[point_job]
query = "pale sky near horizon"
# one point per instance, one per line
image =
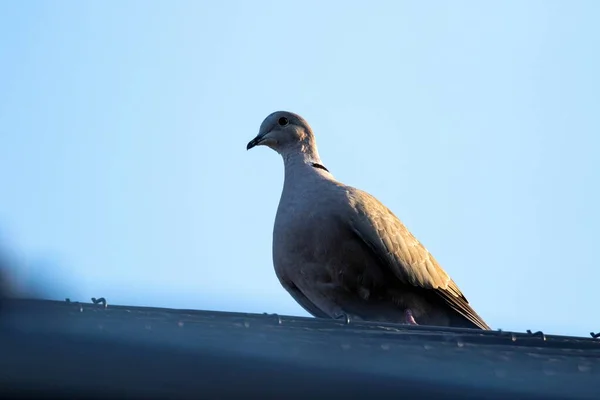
(123, 127)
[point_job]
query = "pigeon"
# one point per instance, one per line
(340, 253)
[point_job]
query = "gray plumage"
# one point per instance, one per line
(339, 251)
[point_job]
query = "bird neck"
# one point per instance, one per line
(300, 155)
(303, 163)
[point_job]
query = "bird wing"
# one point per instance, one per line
(399, 250)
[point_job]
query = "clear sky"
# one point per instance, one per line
(123, 131)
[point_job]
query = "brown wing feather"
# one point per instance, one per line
(410, 261)
(462, 307)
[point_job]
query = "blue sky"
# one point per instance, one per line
(123, 127)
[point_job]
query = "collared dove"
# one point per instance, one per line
(341, 253)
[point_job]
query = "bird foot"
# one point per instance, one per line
(342, 316)
(409, 318)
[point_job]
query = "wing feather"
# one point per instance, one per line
(408, 259)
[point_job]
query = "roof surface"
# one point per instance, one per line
(62, 348)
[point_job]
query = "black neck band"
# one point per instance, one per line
(316, 165)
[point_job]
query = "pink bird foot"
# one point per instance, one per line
(409, 318)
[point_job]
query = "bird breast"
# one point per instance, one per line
(310, 241)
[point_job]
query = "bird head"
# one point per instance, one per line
(284, 132)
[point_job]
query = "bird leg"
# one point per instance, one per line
(409, 318)
(342, 316)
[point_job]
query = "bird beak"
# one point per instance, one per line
(255, 142)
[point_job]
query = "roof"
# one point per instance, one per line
(57, 348)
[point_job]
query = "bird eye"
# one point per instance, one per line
(283, 121)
